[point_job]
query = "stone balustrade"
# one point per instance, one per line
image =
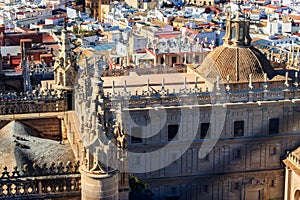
(35, 182)
(32, 102)
(195, 96)
(294, 158)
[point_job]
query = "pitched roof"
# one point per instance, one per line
(38, 150)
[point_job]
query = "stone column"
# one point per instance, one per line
(287, 183)
(99, 186)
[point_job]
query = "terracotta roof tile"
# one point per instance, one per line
(236, 62)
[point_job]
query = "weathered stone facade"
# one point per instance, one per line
(292, 178)
(234, 159)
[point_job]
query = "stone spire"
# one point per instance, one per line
(99, 178)
(65, 50)
(65, 68)
(26, 75)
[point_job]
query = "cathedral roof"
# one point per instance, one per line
(237, 63)
(31, 148)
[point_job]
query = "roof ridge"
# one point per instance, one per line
(223, 49)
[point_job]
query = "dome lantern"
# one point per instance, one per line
(237, 29)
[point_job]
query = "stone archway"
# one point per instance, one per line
(297, 195)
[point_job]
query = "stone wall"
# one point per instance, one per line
(257, 151)
(292, 175)
(71, 127)
(99, 186)
(48, 128)
(265, 185)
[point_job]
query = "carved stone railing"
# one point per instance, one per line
(158, 70)
(39, 182)
(144, 71)
(294, 158)
(34, 102)
(198, 97)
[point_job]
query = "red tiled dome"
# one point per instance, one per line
(237, 62)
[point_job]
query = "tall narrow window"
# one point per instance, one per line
(172, 132)
(205, 188)
(273, 125)
(238, 128)
(241, 34)
(162, 60)
(174, 60)
(272, 151)
(205, 158)
(197, 59)
(233, 33)
(236, 154)
(136, 135)
(204, 130)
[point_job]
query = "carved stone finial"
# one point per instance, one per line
(296, 79)
(265, 81)
(5, 173)
(286, 83)
(196, 84)
(227, 83)
(15, 172)
(163, 84)
(218, 84)
(250, 82)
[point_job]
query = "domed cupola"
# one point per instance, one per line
(237, 30)
(236, 58)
